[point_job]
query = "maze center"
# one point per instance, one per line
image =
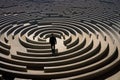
(87, 34)
(60, 46)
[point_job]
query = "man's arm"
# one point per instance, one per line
(55, 41)
(50, 40)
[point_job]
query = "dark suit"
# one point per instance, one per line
(52, 42)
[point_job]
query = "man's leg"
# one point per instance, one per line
(51, 46)
(54, 49)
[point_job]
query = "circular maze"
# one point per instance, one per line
(85, 49)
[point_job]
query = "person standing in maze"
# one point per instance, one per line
(53, 41)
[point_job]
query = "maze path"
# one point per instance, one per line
(90, 48)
